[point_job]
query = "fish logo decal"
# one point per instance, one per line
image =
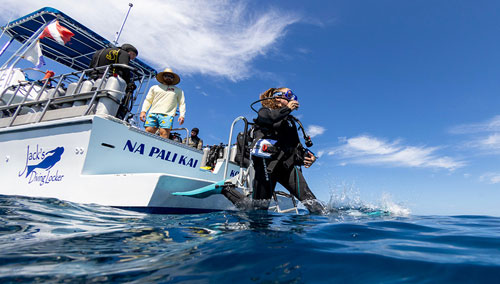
(39, 164)
(48, 162)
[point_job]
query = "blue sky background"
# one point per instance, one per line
(402, 97)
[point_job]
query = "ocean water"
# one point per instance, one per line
(51, 241)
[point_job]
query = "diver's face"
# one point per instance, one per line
(281, 100)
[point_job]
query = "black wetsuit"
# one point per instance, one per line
(109, 56)
(283, 166)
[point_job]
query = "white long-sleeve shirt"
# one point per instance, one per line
(164, 99)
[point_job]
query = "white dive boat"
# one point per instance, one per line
(70, 137)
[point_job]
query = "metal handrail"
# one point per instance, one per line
(51, 98)
(91, 103)
(18, 109)
(25, 90)
(226, 158)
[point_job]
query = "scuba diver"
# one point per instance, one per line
(277, 156)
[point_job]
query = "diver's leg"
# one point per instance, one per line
(263, 187)
(293, 180)
(237, 198)
(263, 183)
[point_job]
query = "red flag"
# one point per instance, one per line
(57, 32)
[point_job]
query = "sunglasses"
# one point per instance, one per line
(289, 95)
(168, 75)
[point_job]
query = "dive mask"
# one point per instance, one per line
(289, 95)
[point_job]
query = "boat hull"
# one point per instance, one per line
(102, 160)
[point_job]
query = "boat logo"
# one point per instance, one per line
(39, 165)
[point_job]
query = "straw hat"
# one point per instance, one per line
(159, 76)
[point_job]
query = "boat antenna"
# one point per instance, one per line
(4, 28)
(130, 5)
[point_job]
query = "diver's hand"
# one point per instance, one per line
(143, 116)
(309, 159)
(181, 120)
(293, 105)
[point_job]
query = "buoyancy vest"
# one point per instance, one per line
(290, 151)
(109, 56)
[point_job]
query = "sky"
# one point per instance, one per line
(401, 98)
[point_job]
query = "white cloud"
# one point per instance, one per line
(217, 37)
(315, 130)
(491, 125)
(490, 142)
(491, 178)
(370, 146)
(485, 136)
(303, 50)
(370, 150)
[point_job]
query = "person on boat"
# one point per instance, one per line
(162, 101)
(281, 159)
(194, 141)
(115, 55)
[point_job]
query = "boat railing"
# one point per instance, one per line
(74, 94)
(227, 153)
(187, 133)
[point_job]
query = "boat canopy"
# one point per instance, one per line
(77, 53)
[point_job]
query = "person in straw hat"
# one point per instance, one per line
(162, 102)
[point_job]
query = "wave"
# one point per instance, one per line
(48, 240)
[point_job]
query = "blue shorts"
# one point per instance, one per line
(158, 120)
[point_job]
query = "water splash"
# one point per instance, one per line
(387, 203)
(346, 200)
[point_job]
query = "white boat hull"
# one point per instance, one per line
(101, 160)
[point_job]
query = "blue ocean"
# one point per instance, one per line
(52, 241)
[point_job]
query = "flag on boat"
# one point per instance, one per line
(57, 32)
(34, 55)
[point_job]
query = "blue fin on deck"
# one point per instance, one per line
(202, 192)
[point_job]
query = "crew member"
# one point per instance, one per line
(194, 141)
(114, 55)
(162, 102)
